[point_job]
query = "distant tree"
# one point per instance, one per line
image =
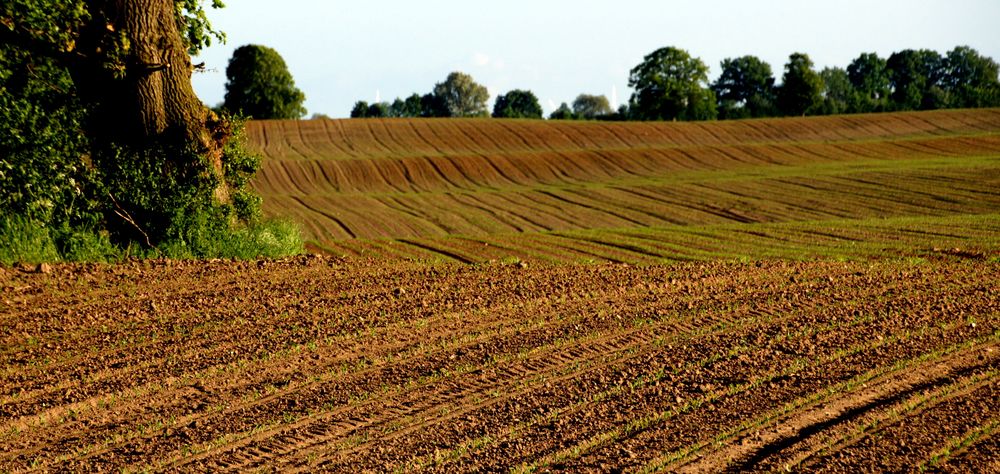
(260, 86)
(590, 107)
(970, 79)
(623, 113)
(517, 104)
(397, 108)
(379, 110)
(838, 92)
(462, 96)
(319, 116)
(433, 106)
(671, 85)
(915, 79)
(562, 113)
(801, 90)
(360, 109)
(408, 108)
(870, 78)
(745, 88)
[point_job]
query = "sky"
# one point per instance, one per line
(341, 51)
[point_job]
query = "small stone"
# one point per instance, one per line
(43, 268)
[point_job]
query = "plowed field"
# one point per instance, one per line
(318, 363)
(479, 190)
(801, 294)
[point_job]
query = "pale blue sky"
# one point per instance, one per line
(343, 51)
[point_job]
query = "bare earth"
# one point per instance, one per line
(349, 365)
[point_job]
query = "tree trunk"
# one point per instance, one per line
(147, 97)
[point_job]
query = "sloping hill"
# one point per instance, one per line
(472, 190)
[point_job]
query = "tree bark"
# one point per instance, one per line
(147, 97)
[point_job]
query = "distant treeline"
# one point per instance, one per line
(670, 84)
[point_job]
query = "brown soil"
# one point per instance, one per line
(315, 363)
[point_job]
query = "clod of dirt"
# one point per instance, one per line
(398, 292)
(43, 268)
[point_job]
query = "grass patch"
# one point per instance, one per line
(24, 241)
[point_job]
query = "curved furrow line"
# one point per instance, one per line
(334, 177)
(627, 394)
(577, 247)
(941, 193)
(398, 204)
(498, 211)
(643, 199)
(275, 177)
(531, 248)
(331, 427)
(300, 391)
(934, 395)
(902, 201)
(336, 140)
(386, 138)
(439, 249)
(445, 130)
(501, 218)
(806, 415)
(650, 376)
(595, 357)
(433, 144)
(503, 166)
(645, 431)
(432, 161)
(618, 132)
(555, 216)
(464, 166)
(336, 220)
(560, 167)
(584, 205)
(484, 141)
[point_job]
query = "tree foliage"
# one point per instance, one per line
(562, 113)
(671, 85)
(914, 77)
(801, 91)
(869, 74)
(260, 86)
(745, 88)
(517, 104)
(838, 92)
(461, 96)
(970, 79)
(411, 107)
(590, 107)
